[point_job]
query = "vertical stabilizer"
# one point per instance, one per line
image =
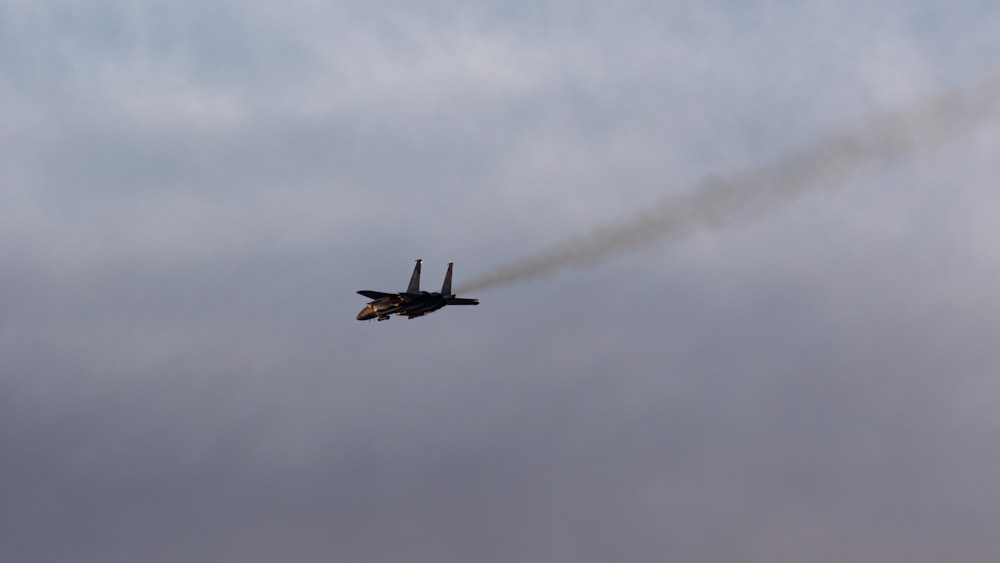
(414, 286)
(446, 288)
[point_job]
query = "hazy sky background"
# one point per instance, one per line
(191, 193)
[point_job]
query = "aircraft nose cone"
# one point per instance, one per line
(366, 314)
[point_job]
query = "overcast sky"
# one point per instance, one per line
(191, 193)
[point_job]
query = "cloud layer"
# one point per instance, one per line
(720, 202)
(191, 195)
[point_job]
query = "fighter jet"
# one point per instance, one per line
(412, 303)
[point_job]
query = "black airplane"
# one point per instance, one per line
(412, 303)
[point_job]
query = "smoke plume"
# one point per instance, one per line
(717, 202)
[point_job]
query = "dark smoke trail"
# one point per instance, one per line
(718, 202)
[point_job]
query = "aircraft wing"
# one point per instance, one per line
(374, 294)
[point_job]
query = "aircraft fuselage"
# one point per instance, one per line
(409, 304)
(412, 303)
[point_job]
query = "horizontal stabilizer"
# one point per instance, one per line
(374, 294)
(463, 301)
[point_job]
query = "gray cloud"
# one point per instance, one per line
(719, 202)
(192, 194)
